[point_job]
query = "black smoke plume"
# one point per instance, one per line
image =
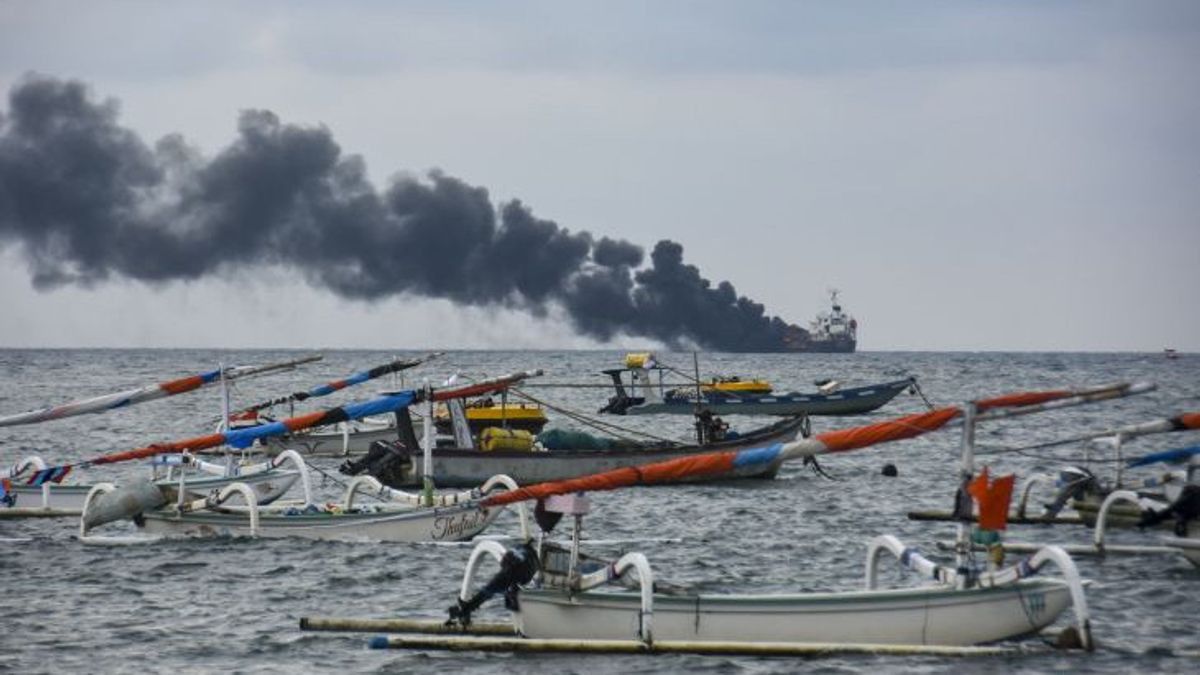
(85, 199)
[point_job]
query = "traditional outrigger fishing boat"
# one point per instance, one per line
(355, 437)
(32, 488)
(399, 518)
(1171, 499)
(402, 517)
(1085, 492)
(1082, 490)
(647, 393)
(401, 464)
(553, 592)
(39, 495)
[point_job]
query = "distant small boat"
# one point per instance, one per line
(1170, 353)
(647, 393)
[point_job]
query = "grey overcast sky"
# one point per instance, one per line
(971, 175)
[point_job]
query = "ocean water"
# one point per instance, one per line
(234, 604)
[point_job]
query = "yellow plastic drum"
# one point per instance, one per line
(495, 438)
(639, 360)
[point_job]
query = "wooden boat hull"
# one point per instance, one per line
(854, 401)
(456, 467)
(455, 523)
(924, 616)
(68, 499)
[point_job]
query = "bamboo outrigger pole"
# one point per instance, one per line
(394, 366)
(99, 404)
(243, 438)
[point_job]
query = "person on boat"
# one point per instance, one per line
(711, 427)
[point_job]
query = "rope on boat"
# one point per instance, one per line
(606, 427)
(917, 388)
(1181, 422)
(329, 477)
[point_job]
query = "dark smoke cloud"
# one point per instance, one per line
(85, 199)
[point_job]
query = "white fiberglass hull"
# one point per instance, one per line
(923, 616)
(455, 523)
(68, 499)
(1188, 546)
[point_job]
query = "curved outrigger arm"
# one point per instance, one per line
(30, 463)
(945, 575)
(489, 547)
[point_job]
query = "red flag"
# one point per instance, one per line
(993, 498)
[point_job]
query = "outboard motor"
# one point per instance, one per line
(127, 501)
(1184, 510)
(517, 567)
(1073, 483)
(387, 462)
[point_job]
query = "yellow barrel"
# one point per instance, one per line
(738, 386)
(639, 360)
(495, 438)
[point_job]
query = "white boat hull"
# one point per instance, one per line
(456, 523)
(1188, 546)
(68, 499)
(925, 616)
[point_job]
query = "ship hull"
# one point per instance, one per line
(847, 346)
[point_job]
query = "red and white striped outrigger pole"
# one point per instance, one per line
(121, 399)
(843, 440)
(243, 438)
(332, 386)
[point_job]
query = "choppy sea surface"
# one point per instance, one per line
(234, 604)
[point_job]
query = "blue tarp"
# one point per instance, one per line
(758, 455)
(1174, 456)
(244, 438)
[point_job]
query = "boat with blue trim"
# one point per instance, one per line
(646, 392)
